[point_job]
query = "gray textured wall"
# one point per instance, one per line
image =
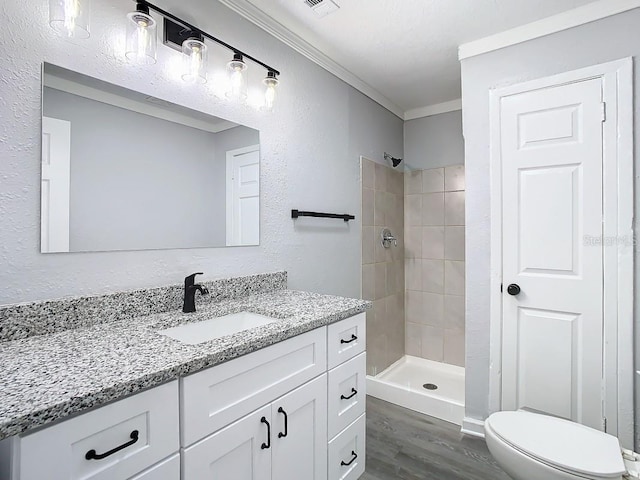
(310, 147)
(598, 42)
(139, 182)
(433, 142)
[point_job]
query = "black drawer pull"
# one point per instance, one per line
(353, 339)
(268, 444)
(354, 392)
(286, 423)
(355, 455)
(92, 455)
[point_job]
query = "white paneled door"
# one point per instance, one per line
(56, 177)
(552, 207)
(243, 196)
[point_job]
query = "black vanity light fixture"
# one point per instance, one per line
(71, 18)
(182, 35)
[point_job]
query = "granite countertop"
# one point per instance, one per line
(48, 377)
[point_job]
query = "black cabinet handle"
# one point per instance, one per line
(354, 392)
(355, 455)
(353, 339)
(92, 455)
(286, 423)
(268, 444)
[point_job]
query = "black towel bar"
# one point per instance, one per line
(344, 216)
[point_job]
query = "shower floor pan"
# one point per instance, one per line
(410, 383)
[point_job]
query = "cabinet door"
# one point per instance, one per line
(168, 469)
(300, 433)
(235, 452)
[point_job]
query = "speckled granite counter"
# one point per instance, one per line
(47, 377)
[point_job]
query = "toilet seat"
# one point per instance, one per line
(563, 445)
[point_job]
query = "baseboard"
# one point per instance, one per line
(473, 427)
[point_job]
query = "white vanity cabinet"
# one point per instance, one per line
(286, 439)
(290, 411)
(216, 397)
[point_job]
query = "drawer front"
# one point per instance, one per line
(347, 393)
(168, 469)
(347, 452)
(346, 339)
(61, 451)
(218, 396)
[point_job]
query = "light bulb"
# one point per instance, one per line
(271, 82)
(70, 14)
(70, 18)
(236, 80)
(237, 72)
(142, 41)
(194, 61)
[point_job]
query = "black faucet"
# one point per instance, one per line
(190, 289)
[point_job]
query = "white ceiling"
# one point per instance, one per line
(407, 49)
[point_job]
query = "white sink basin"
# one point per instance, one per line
(200, 332)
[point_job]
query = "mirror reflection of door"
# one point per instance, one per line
(56, 169)
(243, 196)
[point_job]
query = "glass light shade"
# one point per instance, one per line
(237, 73)
(142, 40)
(70, 18)
(194, 61)
(270, 92)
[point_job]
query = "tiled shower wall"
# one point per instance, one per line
(383, 269)
(434, 264)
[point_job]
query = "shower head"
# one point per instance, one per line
(394, 161)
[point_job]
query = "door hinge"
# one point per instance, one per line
(604, 111)
(604, 424)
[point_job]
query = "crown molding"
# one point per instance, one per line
(430, 110)
(547, 26)
(247, 10)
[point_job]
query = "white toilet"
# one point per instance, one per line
(531, 446)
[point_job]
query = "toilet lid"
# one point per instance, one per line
(560, 443)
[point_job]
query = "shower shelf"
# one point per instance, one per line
(344, 216)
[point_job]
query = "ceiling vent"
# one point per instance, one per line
(322, 8)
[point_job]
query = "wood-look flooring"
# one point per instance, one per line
(406, 445)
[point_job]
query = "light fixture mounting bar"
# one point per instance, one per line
(196, 30)
(175, 34)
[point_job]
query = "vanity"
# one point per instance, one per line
(259, 383)
(282, 400)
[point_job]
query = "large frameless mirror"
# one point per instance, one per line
(126, 171)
